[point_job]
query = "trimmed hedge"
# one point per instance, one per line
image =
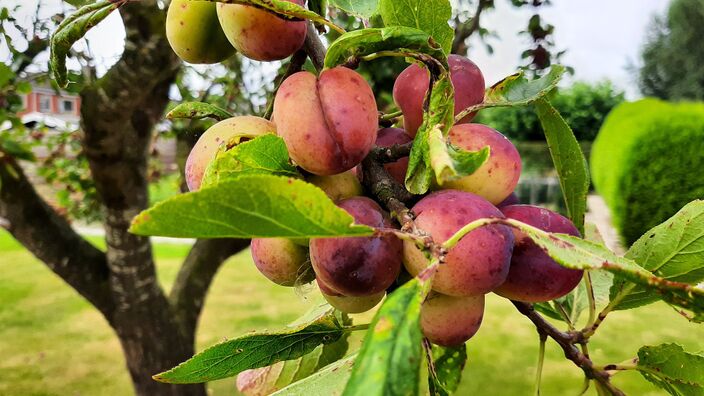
(648, 162)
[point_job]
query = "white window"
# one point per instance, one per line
(45, 104)
(67, 106)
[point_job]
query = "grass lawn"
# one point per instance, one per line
(53, 343)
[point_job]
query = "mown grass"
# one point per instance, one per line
(53, 343)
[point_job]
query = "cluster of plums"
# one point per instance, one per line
(330, 123)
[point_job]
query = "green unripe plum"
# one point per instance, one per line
(329, 123)
(259, 34)
(194, 32)
(451, 321)
(225, 133)
(338, 187)
(350, 305)
(479, 262)
(498, 177)
(282, 261)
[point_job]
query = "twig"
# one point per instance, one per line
(314, 48)
(567, 342)
(297, 61)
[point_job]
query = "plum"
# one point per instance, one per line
(411, 87)
(259, 34)
(282, 261)
(512, 199)
(329, 124)
(387, 137)
(338, 187)
(480, 261)
(451, 321)
(534, 276)
(194, 33)
(225, 133)
(358, 266)
(498, 177)
(350, 305)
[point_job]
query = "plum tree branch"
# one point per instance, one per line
(567, 342)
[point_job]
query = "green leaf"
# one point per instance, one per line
(15, 149)
(401, 41)
(569, 161)
(518, 90)
(72, 29)
(286, 10)
(267, 380)
(198, 110)
(257, 350)
(430, 16)
(320, 7)
(670, 368)
(6, 74)
(449, 364)
(329, 381)
(360, 8)
(673, 250)
(390, 358)
(252, 206)
(263, 155)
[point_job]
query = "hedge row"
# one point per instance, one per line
(648, 161)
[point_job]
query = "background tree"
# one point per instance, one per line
(673, 53)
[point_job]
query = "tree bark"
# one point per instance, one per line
(119, 113)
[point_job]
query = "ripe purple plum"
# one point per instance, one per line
(534, 276)
(358, 266)
(498, 177)
(510, 200)
(329, 123)
(338, 187)
(194, 33)
(480, 261)
(225, 133)
(350, 305)
(259, 34)
(387, 137)
(451, 321)
(412, 84)
(282, 261)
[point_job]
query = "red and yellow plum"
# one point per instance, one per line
(259, 34)
(358, 266)
(282, 261)
(498, 177)
(534, 276)
(338, 187)
(225, 133)
(480, 261)
(350, 305)
(329, 123)
(411, 87)
(451, 321)
(194, 33)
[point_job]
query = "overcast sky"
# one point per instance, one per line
(601, 36)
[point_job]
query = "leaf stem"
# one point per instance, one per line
(590, 296)
(356, 327)
(541, 359)
(593, 326)
(391, 116)
(454, 240)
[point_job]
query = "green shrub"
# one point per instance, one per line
(584, 106)
(647, 162)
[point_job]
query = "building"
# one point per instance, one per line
(55, 109)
